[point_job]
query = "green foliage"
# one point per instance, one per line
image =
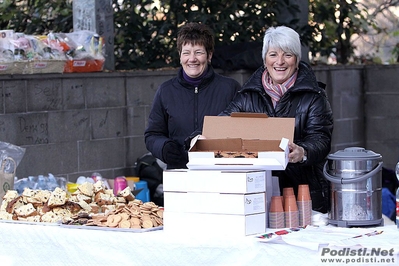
(145, 33)
(36, 16)
(332, 24)
(146, 37)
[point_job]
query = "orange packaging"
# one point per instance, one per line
(84, 65)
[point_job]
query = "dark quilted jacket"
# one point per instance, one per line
(179, 108)
(308, 103)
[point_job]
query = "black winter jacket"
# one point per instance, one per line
(179, 108)
(308, 103)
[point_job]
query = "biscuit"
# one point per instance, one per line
(98, 187)
(26, 210)
(50, 217)
(127, 194)
(5, 215)
(13, 204)
(57, 197)
(86, 189)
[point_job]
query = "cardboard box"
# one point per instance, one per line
(8, 68)
(213, 224)
(243, 132)
(223, 181)
(32, 67)
(216, 203)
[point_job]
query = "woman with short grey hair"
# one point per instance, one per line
(285, 86)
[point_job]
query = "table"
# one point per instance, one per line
(30, 244)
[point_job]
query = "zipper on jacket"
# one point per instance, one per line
(195, 108)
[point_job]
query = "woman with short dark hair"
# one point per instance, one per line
(181, 103)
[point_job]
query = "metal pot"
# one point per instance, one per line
(356, 187)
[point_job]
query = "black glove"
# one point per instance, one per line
(172, 153)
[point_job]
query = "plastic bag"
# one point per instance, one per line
(10, 157)
(10, 150)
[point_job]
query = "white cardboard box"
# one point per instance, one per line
(216, 203)
(214, 224)
(223, 181)
(242, 132)
(216, 181)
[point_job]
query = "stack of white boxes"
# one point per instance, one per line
(224, 194)
(221, 202)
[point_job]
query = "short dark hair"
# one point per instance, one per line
(196, 34)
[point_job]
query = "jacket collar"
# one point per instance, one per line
(204, 83)
(306, 80)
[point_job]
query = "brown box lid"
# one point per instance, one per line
(249, 126)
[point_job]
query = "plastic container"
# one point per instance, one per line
(143, 195)
(356, 187)
(71, 187)
(120, 183)
(134, 179)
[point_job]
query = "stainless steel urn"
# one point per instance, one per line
(356, 183)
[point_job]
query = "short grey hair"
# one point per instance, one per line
(284, 38)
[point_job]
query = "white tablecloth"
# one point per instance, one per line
(29, 244)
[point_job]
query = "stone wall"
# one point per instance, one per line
(74, 124)
(381, 98)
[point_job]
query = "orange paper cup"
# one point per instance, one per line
(303, 193)
(276, 204)
(288, 191)
(290, 204)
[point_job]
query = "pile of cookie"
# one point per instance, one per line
(94, 201)
(135, 215)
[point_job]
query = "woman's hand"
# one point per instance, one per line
(297, 153)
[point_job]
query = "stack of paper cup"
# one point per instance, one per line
(304, 205)
(291, 214)
(276, 212)
(286, 192)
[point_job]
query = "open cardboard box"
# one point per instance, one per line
(242, 132)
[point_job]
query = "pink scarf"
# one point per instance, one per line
(276, 91)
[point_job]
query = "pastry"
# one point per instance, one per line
(57, 198)
(127, 194)
(86, 189)
(26, 210)
(235, 154)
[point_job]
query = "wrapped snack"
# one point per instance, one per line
(6, 45)
(10, 157)
(86, 53)
(22, 47)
